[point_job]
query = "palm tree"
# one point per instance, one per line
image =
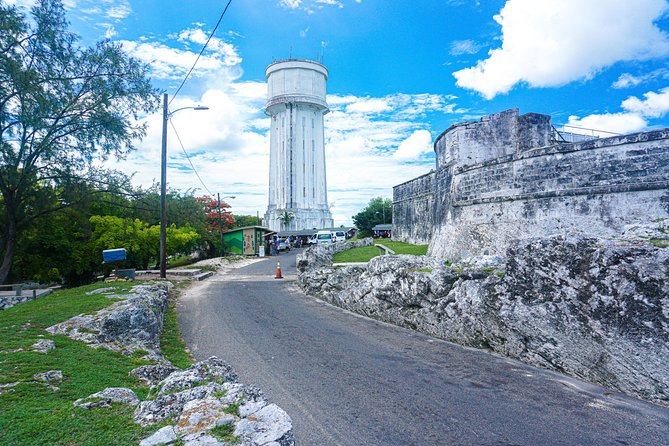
(286, 218)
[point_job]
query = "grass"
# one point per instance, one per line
(367, 253)
(232, 409)
(660, 242)
(225, 432)
(32, 413)
(404, 248)
(171, 344)
(420, 270)
(362, 254)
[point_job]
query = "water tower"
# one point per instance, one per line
(296, 105)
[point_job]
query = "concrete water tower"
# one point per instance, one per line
(296, 105)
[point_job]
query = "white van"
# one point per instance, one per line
(324, 237)
(338, 236)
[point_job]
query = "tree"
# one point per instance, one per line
(286, 217)
(378, 211)
(246, 220)
(61, 107)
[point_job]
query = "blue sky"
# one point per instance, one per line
(400, 73)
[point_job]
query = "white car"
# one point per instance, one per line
(324, 238)
(338, 236)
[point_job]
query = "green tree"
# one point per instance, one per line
(378, 211)
(246, 220)
(61, 106)
(285, 218)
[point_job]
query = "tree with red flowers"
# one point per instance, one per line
(210, 208)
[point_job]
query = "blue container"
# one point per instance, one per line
(113, 255)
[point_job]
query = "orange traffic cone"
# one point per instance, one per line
(278, 270)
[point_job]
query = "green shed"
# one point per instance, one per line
(245, 241)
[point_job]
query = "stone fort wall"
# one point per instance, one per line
(506, 178)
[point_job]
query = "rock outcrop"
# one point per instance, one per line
(205, 403)
(206, 397)
(133, 324)
(594, 309)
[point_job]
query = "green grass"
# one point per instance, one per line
(225, 432)
(660, 242)
(33, 414)
(171, 343)
(180, 261)
(404, 248)
(420, 270)
(362, 254)
(232, 409)
(367, 253)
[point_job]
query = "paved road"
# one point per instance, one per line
(348, 380)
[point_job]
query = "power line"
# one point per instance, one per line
(188, 158)
(201, 51)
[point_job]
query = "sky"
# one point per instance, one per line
(400, 73)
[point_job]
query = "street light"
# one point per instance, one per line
(220, 218)
(384, 214)
(163, 185)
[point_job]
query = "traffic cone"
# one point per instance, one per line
(278, 270)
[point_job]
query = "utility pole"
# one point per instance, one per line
(163, 184)
(163, 194)
(220, 222)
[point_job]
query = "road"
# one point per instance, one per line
(349, 380)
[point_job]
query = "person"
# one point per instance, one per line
(276, 245)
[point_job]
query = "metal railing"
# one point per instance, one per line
(581, 134)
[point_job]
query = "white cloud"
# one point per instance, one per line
(606, 123)
(119, 11)
(550, 42)
(633, 119)
(627, 80)
(330, 2)
(226, 51)
(459, 47)
(415, 146)
(655, 105)
(290, 4)
(172, 63)
(368, 105)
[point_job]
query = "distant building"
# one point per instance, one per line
(296, 106)
(383, 230)
(245, 241)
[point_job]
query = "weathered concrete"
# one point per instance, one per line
(590, 308)
(505, 178)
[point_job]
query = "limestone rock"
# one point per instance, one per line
(52, 376)
(270, 424)
(164, 436)
(106, 397)
(127, 326)
(44, 345)
(105, 290)
(153, 374)
(209, 370)
(592, 308)
(202, 415)
(206, 395)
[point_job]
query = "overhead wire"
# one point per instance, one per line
(188, 158)
(201, 51)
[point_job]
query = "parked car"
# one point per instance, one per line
(313, 240)
(338, 236)
(324, 237)
(284, 244)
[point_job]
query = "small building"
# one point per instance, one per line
(245, 241)
(383, 231)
